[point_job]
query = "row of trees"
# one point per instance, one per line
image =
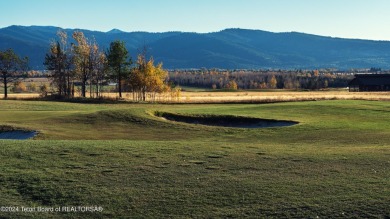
(257, 79)
(84, 64)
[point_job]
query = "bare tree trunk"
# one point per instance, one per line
(84, 84)
(120, 85)
(68, 85)
(83, 88)
(5, 86)
(97, 88)
(90, 88)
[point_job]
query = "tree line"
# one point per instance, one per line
(260, 79)
(84, 64)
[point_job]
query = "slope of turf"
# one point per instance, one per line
(334, 163)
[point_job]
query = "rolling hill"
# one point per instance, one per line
(227, 49)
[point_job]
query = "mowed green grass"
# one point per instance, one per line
(334, 163)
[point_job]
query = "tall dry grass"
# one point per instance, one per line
(242, 96)
(220, 97)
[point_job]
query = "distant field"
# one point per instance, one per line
(36, 80)
(279, 95)
(334, 163)
(202, 96)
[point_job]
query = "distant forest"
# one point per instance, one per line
(261, 79)
(255, 79)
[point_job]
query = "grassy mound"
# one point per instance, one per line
(334, 163)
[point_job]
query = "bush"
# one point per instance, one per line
(19, 87)
(43, 90)
(232, 85)
(32, 87)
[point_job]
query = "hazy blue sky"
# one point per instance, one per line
(365, 19)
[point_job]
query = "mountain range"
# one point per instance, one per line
(226, 49)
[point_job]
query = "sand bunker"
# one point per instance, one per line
(226, 121)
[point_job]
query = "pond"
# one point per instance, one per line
(226, 121)
(17, 135)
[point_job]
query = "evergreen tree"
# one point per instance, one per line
(119, 63)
